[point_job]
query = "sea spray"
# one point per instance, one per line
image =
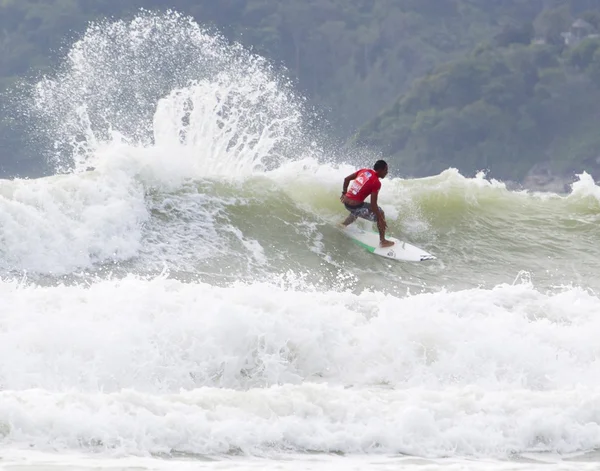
(164, 80)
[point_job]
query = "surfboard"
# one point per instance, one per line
(399, 251)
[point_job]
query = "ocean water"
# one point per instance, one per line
(178, 297)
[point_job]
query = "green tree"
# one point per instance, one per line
(551, 24)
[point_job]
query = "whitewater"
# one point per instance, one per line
(177, 295)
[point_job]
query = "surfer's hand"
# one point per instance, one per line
(342, 197)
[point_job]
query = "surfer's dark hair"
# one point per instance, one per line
(380, 165)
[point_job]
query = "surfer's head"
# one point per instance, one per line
(381, 167)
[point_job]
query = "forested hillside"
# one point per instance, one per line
(352, 58)
(528, 98)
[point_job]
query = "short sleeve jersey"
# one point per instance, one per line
(365, 183)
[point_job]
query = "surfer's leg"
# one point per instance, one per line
(368, 214)
(349, 220)
(365, 212)
(354, 214)
(384, 220)
(381, 228)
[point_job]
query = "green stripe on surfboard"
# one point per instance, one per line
(363, 245)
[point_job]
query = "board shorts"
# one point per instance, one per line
(362, 210)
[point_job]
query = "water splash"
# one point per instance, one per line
(163, 80)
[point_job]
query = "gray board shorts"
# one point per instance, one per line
(362, 210)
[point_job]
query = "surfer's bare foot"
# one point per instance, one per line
(386, 243)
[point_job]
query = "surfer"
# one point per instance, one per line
(366, 182)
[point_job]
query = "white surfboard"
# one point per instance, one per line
(399, 251)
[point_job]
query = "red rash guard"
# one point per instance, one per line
(365, 183)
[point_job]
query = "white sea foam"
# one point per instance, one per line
(482, 372)
(176, 334)
(59, 224)
(453, 422)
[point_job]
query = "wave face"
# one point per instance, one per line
(179, 286)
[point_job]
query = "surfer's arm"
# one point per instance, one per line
(347, 181)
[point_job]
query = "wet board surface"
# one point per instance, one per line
(399, 251)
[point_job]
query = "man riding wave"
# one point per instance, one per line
(366, 182)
